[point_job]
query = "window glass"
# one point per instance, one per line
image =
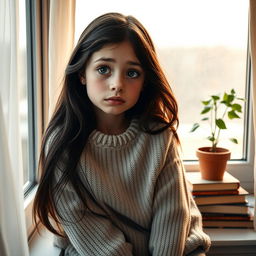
(23, 90)
(202, 46)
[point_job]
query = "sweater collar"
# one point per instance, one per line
(100, 139)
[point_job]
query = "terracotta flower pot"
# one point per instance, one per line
(212, 164)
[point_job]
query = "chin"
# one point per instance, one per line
(114, 111)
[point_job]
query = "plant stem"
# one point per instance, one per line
(214, 141)
(218, 135)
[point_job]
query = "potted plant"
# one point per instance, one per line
(213, 159)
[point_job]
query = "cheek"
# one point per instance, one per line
(136, 90)
(94, 86)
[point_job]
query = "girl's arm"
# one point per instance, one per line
(176, 226)
(88, 233)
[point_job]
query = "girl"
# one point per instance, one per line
(112, 181)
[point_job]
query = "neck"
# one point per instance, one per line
(112, 125)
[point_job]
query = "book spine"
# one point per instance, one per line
(220, 192)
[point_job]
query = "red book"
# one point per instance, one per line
(217, 192)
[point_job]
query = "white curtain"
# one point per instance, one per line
(13, 237)
(253, 59)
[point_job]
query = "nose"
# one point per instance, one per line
(117, 83)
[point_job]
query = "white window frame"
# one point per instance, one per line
(34, 115)
(32, 103)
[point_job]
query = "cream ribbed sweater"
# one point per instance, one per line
(141, 176)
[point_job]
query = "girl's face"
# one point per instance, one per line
(114, 79)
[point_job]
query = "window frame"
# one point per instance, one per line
(32, 101)
(33, 113)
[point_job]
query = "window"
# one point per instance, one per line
(26, 104)
(202, 45)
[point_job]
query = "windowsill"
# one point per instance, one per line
(28, 205)
(42, 245)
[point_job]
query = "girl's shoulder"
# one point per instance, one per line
(158, 129)
(159, 137)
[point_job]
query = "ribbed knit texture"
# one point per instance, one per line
(141, 177)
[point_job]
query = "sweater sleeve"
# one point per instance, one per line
(176, 225)
(88, 233)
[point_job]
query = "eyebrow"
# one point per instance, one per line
(135, 63)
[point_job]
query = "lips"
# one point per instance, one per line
(115, 100)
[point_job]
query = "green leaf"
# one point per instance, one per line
(194, 127)
(211, 138)
(206, 110)
(234, 140)
(215, 97)
(226, 103)
(232, 115)
(221, 124)
(225, 97)
(230, 98)
(233, 91)
(205, 119)
(206, 102)
(226, 100)
(237, 107)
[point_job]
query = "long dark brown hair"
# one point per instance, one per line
(74, 119)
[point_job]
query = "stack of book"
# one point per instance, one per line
(222, 203)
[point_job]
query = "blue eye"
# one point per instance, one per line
(103, 70)
(133, 73)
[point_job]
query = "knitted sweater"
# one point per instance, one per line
(141, 177)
